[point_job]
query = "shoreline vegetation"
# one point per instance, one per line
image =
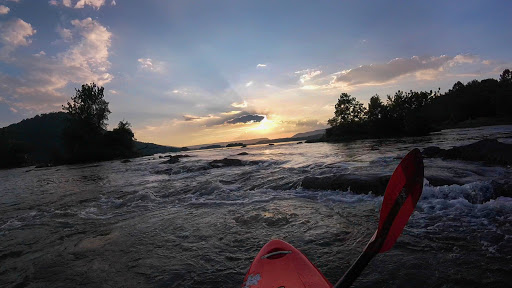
(80, 135)
(476, 103)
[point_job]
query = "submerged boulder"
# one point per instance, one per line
(359, 184)
(175, 158)
(243, 153)
(179, 156)
(366, 183)
(490, 151)
(167, 171)
(172, 160)
(225, 163)
(43, 165)
(432, 152)
(502, 188)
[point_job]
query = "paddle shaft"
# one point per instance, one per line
(355, 270)
(374, 245)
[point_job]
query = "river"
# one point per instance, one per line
(148, 224)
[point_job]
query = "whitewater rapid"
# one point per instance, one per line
(148, 224)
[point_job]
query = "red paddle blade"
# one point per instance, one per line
(402, 193)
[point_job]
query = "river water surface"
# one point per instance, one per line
(148, 224)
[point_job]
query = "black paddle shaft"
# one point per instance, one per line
(374, 246)
(355, 270)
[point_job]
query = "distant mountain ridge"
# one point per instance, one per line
(319, 132)
(246, 142)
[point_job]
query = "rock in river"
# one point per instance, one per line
(359, 184)
(226, 162)
(490, 151)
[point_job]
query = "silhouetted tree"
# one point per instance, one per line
(376, 108)
(506, 76)
(89, 106)
(457, 86)
(120, 141)
(418, 113)
(86, 137)
(347, 110)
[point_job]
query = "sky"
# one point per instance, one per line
(193, 72)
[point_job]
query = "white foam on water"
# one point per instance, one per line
(11, 224)
(93, 213)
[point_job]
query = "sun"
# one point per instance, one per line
(264, 126)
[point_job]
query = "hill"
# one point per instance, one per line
(148, 149)
(318, 133)
(39, 140)
(34, 140)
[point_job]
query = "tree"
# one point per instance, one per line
(120, 141)
(506, 76)
(88, 114)
(457, 87)
(124, 133)
(376, 109)
(347, 110)
(88, 106)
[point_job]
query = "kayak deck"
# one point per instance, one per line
(280, 265)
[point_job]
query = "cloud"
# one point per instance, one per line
(386, 72)
(247, 119)
(93, 3)
(14, 33)
(239, 105)
(249, 83)
(151, 65)
(222, 118)
(261, 65)
(191, 117)
(65, 34)
(199, 118)
(180, 91)
(4, 10)
(91, 52)
(459, 59)
(310, 123)
(43, 77)
(234, 112)
(307, 74)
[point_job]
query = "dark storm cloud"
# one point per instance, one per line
(246, 119)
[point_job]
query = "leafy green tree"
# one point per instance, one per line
(347, 110)
(89, 106)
